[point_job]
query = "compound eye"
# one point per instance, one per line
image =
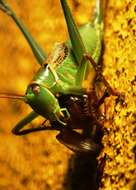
(35, 89)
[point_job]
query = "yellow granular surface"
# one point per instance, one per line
(120, 70)
(38, 161)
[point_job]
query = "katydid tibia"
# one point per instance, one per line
(63, 89)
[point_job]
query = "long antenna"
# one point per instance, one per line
(11, 96)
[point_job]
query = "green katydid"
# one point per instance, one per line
(58, 91)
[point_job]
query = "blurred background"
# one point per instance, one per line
(38, 161)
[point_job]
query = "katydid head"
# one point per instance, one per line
(43, 101)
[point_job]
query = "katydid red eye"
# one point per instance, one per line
(35, 89)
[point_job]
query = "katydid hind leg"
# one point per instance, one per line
(78, 47)
(38, 52)
(84, 70)
(98, 14)
(77, 142)
(17, 130)
(31, 130)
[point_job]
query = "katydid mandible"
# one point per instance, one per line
(63, 89)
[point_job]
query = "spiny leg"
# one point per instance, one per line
(101, 100)
(109, 91)
(37, 50)
(96, 67)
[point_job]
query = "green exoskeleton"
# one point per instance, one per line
(63, 89)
